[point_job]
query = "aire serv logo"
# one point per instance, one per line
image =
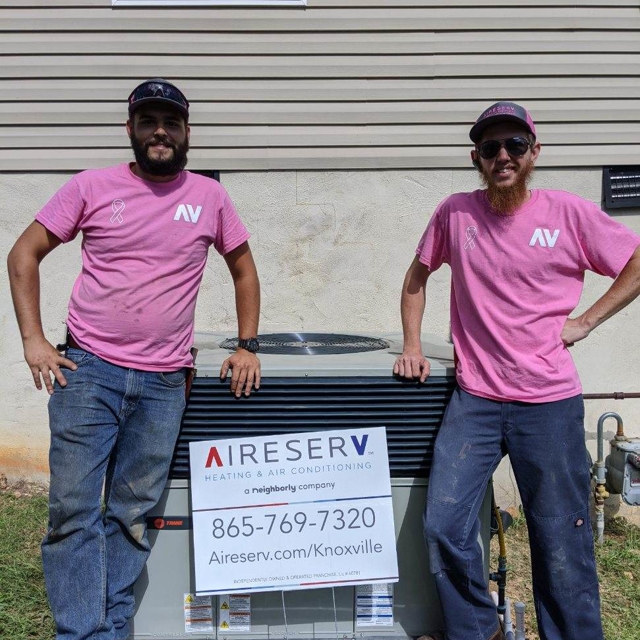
(188, 213)
(544, 237)
(244, 454)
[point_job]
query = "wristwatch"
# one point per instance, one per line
(249, 344)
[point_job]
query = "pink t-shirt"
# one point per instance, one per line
(515, 280)
(144, 249)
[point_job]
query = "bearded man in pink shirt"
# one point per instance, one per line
(517, 259)
(118, 388)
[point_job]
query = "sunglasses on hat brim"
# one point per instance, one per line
(516, 147)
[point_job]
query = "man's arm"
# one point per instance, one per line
(623, 291)
(23, 265)
(412, 363)
(245, 365)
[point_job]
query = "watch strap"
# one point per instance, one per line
(249, 344)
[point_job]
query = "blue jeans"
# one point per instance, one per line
(545, 443)
(115, 428)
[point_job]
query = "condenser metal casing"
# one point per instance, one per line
(311, 390)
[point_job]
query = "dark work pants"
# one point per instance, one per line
(545, 443)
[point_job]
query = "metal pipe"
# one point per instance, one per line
(600, 493)
(519, 607)
(616, 395)
(507, 625)
(501, 575)
(619, 432)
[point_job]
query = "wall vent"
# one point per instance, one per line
(621, 186)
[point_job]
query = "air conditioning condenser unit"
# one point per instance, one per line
(310, 382)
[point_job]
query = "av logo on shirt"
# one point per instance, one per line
(188, 213)
(544, 238)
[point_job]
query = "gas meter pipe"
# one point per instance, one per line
(519, 607)
(616, 395)
(501, 575)
(507, 624)
(600, 492)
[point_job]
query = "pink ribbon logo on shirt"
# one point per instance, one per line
(117, 206)
(472, 232)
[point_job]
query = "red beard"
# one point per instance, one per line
(504, 200)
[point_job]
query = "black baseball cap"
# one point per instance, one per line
(158, 90)
(502, 112)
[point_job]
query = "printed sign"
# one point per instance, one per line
(295, 511)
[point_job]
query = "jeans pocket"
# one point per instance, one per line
(78, 356)
(173, 378)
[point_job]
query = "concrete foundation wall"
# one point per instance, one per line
(332, 249)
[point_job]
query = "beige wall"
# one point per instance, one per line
(332, 249)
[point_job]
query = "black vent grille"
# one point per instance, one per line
(411, 412)
(621, 186)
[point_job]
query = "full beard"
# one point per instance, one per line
(504, 200)
(169, 167)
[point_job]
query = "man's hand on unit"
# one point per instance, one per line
(245, 372)
(412, 365)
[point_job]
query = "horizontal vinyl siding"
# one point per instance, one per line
(233, 136)
(307, 44)
(340, 84)
(494, 66)
(314, 19)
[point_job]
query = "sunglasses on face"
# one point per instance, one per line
(158, 90)
(515, 147)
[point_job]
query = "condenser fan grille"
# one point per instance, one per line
(410, 412)
(312, 343)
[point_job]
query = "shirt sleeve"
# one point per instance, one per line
(432, 251)
(230, 233)
(63, 213)
(606, 243)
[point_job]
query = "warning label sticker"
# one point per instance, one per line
(234, 612)
(198, 614)
(374, 605)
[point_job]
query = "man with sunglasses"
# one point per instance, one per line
(517, 259)
(119, 384)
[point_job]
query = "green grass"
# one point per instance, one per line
(618, 560)
(25, 615)
(619, 570)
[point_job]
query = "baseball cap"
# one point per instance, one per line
(158, 90)
(502, 112)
